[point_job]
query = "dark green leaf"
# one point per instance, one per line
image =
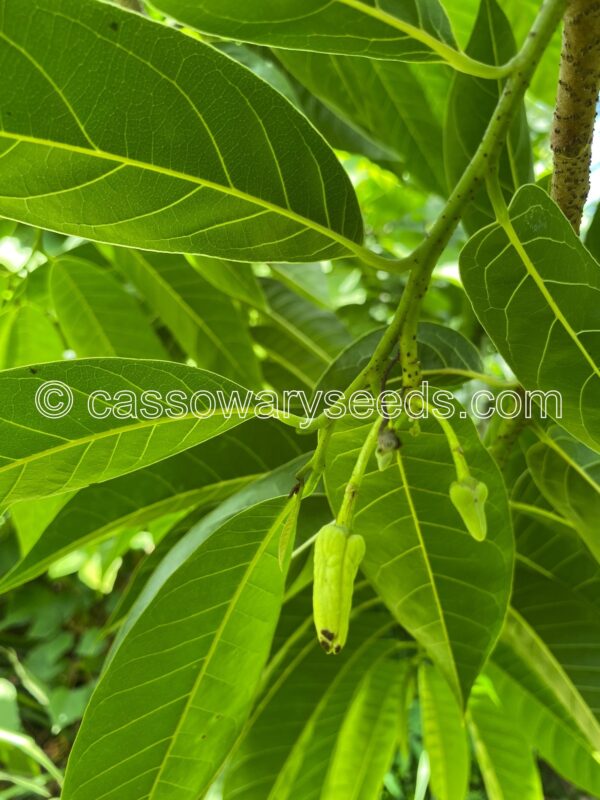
(542, 317)
(374, 29)
(156, 160)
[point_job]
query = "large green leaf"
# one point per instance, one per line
(471, 104)
(199, 478)
(314, 695)
(179, 685)
(542, 317)
(448, 590)
(444, 735)
(385, 101)
(205, 322)
(156, 160)
(97, 315)
(505, 758)
(383, 29)
(568, 475)
(42, 455)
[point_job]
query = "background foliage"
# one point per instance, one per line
(216, 195)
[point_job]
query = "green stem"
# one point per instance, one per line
(346, 512)
(540, 513)
(311, 473)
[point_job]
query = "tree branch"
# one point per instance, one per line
(575, 112)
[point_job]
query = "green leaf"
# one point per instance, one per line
(567, 474)
(385, 101)
(542, 318)
(313, 694)
(506, 761)
(471, 104)
(448, 590)
(27, 336)
(205, 322)
(545, 729)
(558, 632)
(373, 29)
(97, 315)
(53, 455)
(444, 735)
(31, 519)
(166, 173)
(369, 728)
(200, 478)
(300, 338)
(235, 279)
(445, 356)
(170, 703)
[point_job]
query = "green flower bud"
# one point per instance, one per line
(468, 497)
(336, 561)
(387, 445)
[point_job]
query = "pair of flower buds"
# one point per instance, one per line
(338, 555)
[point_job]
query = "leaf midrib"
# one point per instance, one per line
(430, 573)
(104, 155)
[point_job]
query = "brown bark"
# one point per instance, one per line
(575, 112)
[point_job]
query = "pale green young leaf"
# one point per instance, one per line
(27, 336)
(313, 694)
(506, 760)
(369, 728)
(546, 729)
(444, 735)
